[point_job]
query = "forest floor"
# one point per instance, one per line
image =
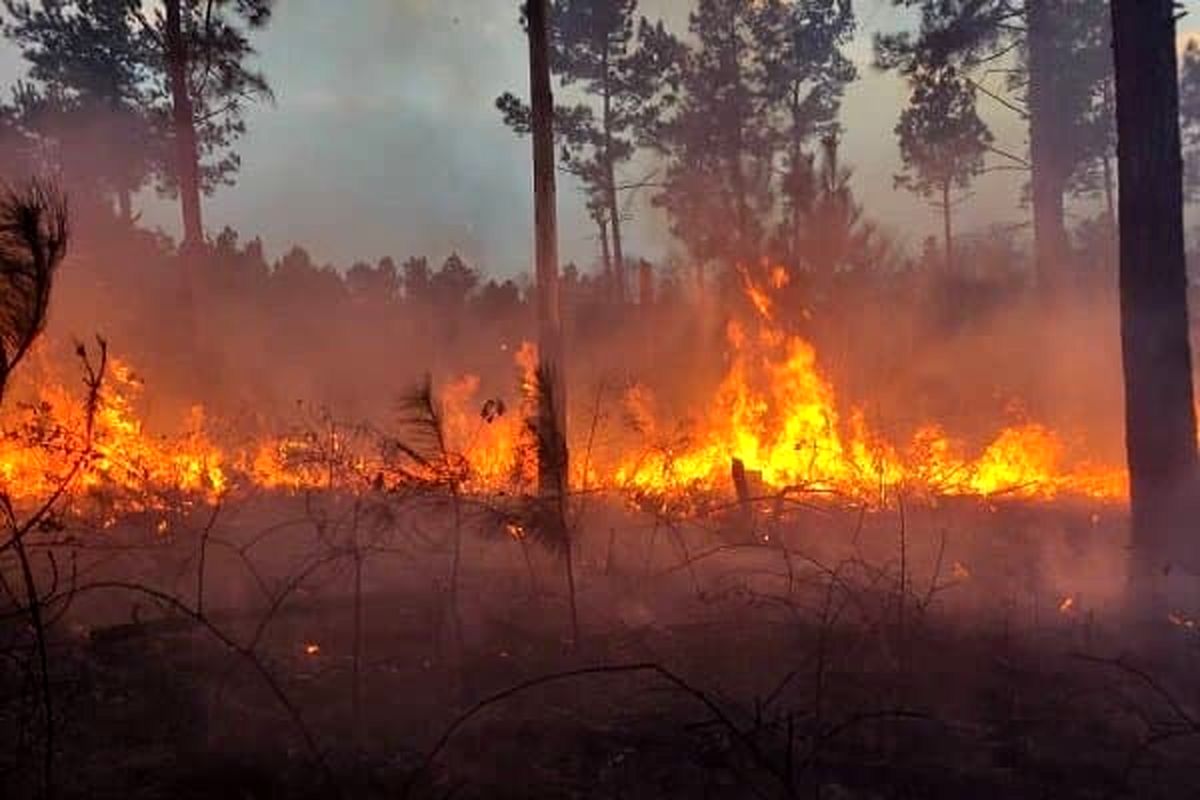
(955, 652)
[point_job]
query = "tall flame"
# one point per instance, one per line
(776, 413)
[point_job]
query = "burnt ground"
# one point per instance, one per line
(957, 651)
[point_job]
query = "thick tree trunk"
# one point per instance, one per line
(552, 464)
(183, 119)
(1160, 420)
(1045, 150)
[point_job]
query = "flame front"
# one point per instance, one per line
(773, 411)
(778, 415)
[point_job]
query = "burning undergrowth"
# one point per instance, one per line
(773, 414)
(773, 586)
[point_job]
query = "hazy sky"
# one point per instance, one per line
(384, 139)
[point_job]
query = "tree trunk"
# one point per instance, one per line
(610, 179)
(737, 177)
(1110, 210)
(1160, 419)
(187, 158)
(797, 215)
(606, 258)
(552, 454)
(1045, 154)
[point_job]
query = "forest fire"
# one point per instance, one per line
(777, 414)
(774, 412)
(714, 469)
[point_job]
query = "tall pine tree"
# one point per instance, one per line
(1040, 43)
(942, 143)
(805, 74)
(619, 65)
(85, 104)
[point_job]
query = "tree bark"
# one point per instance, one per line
(1160, 418)
(606, 258)
(610, 178)
(1045, 155)
(183, 119)
(737, 176)
(552, 456)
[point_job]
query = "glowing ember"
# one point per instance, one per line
(312, 649)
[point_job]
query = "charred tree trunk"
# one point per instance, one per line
(552, 422)
(1047, 179)
(1160, 418)
(183, 120)
(552, 394)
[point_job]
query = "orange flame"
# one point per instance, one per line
(774, 411)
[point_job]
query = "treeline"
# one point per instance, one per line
(734, 129)
(121, 96)
(731, 128)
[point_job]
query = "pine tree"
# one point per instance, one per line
(719, 142)
(1160, 417)
(203, 50)
(86, 100)
(942, 143)
(618, 63)
(805, 74)
(1041, 43)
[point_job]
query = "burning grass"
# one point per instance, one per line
(774, 411)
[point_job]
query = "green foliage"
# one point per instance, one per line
(760, 82)
(980, 37)
(942, 139)
(221, 83)
(97, 104)
(621, 66)
(85, 108)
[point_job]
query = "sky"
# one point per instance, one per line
(383, 139)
